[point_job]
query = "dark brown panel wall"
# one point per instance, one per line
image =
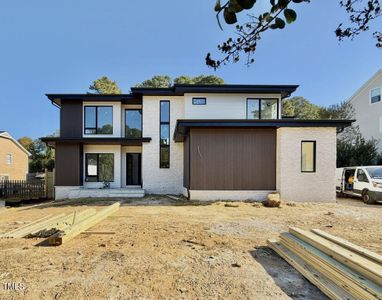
(232, 159)
(71, 119)
(67, 166)
(186, 162)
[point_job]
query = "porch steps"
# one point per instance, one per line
(129, 192)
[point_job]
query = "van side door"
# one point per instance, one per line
(361, 181)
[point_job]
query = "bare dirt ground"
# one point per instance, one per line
(163, 249)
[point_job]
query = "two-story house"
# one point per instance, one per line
(367, 104)
(14, 158)
(206, 142)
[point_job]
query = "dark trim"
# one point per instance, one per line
(183, 125)
(260, 99)
(96, 176)
(51, 141)
(199, 98)
(160, 133)
(141, 110)
(123, 98)
(314, 155)
(96, 120)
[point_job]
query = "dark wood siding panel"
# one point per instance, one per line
(71, 119)
(186, 162)
(233, 159)
(67, 166)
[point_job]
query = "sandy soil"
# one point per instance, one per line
(169, 250)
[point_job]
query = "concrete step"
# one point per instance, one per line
(110, 193)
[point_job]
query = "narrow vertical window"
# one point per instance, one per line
(308, 156)
(9, 159)
(164, 143)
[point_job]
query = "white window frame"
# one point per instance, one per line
(9, 159)
(380, 94)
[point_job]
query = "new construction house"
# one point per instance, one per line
(207, 142)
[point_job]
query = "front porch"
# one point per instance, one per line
(81, 192)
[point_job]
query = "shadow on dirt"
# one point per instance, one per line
(285, 276)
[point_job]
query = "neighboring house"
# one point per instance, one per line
(367, 104)
(14, 158)
(205, 142)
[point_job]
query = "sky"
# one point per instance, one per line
(62, 46)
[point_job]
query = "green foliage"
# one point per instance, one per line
(104, 85)
(164, 81)
(359, 153)
(301, 108)
(42, 157)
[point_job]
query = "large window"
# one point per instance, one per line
(98, 120)
(375, 95)
(308, 156)
(99, 167)
(262, 109)
(133, 123)
(164, 144)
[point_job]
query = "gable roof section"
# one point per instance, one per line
(6, 135)
(375, 76)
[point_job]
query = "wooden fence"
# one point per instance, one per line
(31, 189)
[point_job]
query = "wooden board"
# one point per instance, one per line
(364, 266)
(349, 280)
(322, 282)
(344, 243)
(76, 229)
(9, 233)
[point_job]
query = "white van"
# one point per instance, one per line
(365, 182)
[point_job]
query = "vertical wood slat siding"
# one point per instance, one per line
(71, 119)
(67, 166)
(186, 162)
(233, 159)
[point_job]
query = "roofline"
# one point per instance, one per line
(56, 98)
(376, 74)
(183, 125)
(9, 137)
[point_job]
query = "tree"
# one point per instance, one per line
(26, 142)
(104, 85)
(359, 153)
(301, 108)
(42, 157)
(361, 14)
(164, 81)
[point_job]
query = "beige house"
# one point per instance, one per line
(367, 103)
(14, 158)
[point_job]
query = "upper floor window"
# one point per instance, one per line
(98, 120)
(9, 159)
(262, 109)
(199, 101)
(133, 123)
(164, 144)
(375, 95)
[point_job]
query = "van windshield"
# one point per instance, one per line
(375, 173)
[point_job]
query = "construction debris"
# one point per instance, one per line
(63, 227)
(273, 200)
(340, 269)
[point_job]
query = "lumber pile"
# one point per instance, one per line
(340, 269)
(62, 228)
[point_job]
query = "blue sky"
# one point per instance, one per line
(62, 46)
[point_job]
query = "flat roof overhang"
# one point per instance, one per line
(183, 126)
(123, 98)
(51, 141)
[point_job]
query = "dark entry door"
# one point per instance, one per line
(133, 168)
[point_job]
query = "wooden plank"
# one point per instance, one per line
(73, 231)
(344, 243)
(364, 266)
(21, 232)
(98, 232)
(345, 277)
(25, 226)
(326, 285)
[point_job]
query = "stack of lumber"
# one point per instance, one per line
(340, 269)
(62, 228)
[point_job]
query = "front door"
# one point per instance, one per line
(133, 168)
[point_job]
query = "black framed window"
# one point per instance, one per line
(133, 123)
(199, 101)
(164, 143)
(98, 120)
(308, 156)
(262, 109)
(99, 167)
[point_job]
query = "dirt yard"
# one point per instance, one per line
(162, 249)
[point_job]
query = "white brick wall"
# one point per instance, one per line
(155, 179)
(296, 186)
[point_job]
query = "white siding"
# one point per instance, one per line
(222, 106)
(155, 179)
(294, 185)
